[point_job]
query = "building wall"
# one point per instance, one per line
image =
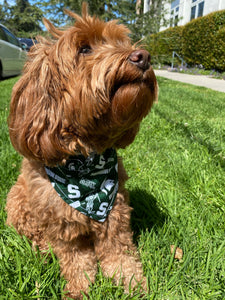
(180, 12)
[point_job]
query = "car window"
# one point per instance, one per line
(2, 35)
(11, 38)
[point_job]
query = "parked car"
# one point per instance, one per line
(27, 42)
(12, 53)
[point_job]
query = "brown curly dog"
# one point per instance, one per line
(82, 95)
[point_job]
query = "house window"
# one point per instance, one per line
(197, 9)
(175, 3)
(174, 12)
(200, 9)
(193, 11)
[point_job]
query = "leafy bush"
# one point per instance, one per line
(203, 40)
(199, 42)
(219, 50)
(161, 45)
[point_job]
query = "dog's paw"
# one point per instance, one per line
(127, 270)
(72, 292)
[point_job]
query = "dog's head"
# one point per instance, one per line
(85, 90)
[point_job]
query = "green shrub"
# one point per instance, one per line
(161, 45)
(219, 50)
(199, 42)
(202, 41)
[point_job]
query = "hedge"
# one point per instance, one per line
(199, 42)
(162, 44)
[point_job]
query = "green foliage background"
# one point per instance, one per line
(200, 42)
(203, 41)
(25, 19)
(162, 44)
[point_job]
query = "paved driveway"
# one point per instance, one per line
(199, 80)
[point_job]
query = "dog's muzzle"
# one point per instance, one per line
(140, 58)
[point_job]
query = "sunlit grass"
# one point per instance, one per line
(177, 188)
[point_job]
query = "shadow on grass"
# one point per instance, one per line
(213, 150)
(8, 77)
(146, 212)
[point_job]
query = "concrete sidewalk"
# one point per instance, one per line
(199, 80)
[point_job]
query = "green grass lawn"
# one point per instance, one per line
(177, 187)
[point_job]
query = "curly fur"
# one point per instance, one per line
(80, 92)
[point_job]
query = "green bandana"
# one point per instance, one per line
(88, 184)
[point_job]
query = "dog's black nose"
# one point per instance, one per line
(141, 58)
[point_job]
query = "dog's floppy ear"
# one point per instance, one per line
(36, 111)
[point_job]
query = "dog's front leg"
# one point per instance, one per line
(78, 265)
(115, 249)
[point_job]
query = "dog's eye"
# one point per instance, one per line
(86, 49)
